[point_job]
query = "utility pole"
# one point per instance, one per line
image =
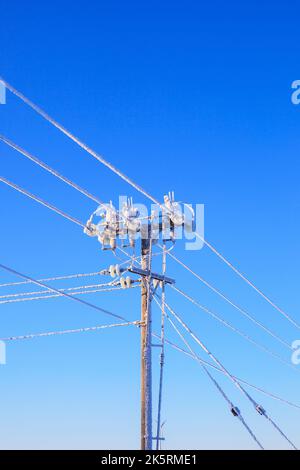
(146, 341)
(127, 222)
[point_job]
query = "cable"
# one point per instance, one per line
(233, 408)
(49, 169)
(45, 297)
(68, 289)
(233, 328)
(64, 332)
(242, 311)
(60, 278)
(57, 278)
(41, 201)
(260, 410)
(77, 140)
(139, 189)
(248, 384)
(242, 276)
(162, 355)
(83, 302)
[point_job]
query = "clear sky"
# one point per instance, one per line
(182, 96)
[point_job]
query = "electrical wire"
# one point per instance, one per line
(241, 310)
(236, 330)
(260, 410)
(41, 201)
(67, 289)
(242, 381)
(49, 169)
(57, 278)
(41, 284)
(64, 332)
(214, 381)
(139, 189)
(45, 297)
(162, 355)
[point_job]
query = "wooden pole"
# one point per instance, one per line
(146, 339)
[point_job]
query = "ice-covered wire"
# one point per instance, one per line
(257, 407)
(41, 201)
(45, 297)
(64, 332)
(214, 381)
(49, 169)
(140, 189)
(46, 286)
(242, 381)
(233, 328)
(241, 310)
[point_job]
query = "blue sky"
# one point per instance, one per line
(183, 96)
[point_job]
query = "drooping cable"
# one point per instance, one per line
(241, 310)
(234, 410)
(46, 286)
(64, 332)
(242, 381)
(162, 345)
(260, 410)
(53, 296)
(233, 328)
(49, 169)
(139, 189)
(41, 201)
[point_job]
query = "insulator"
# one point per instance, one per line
(235, 411)
(128, 282)
(112, 270)
(118, 270)
(260, 410)
(113, 243)
(123, 283)
(90, 229)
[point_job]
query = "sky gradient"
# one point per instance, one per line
(180, 96)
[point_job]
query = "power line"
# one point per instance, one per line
(66, 289)
(139, 189)
(49, 169)
(257, 407)
(64, 332)
(242, 276)
(248, 384)
(233, 328)
(45, 297)
(77, 140)
(233, 408)
(41, 201)
(41, 284)
(57, 278)
(241, 310)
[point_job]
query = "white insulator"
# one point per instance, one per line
(112, 270)
(123, 283)
(128, 282)
(118, 270)
(90, 229)
(113, 243)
